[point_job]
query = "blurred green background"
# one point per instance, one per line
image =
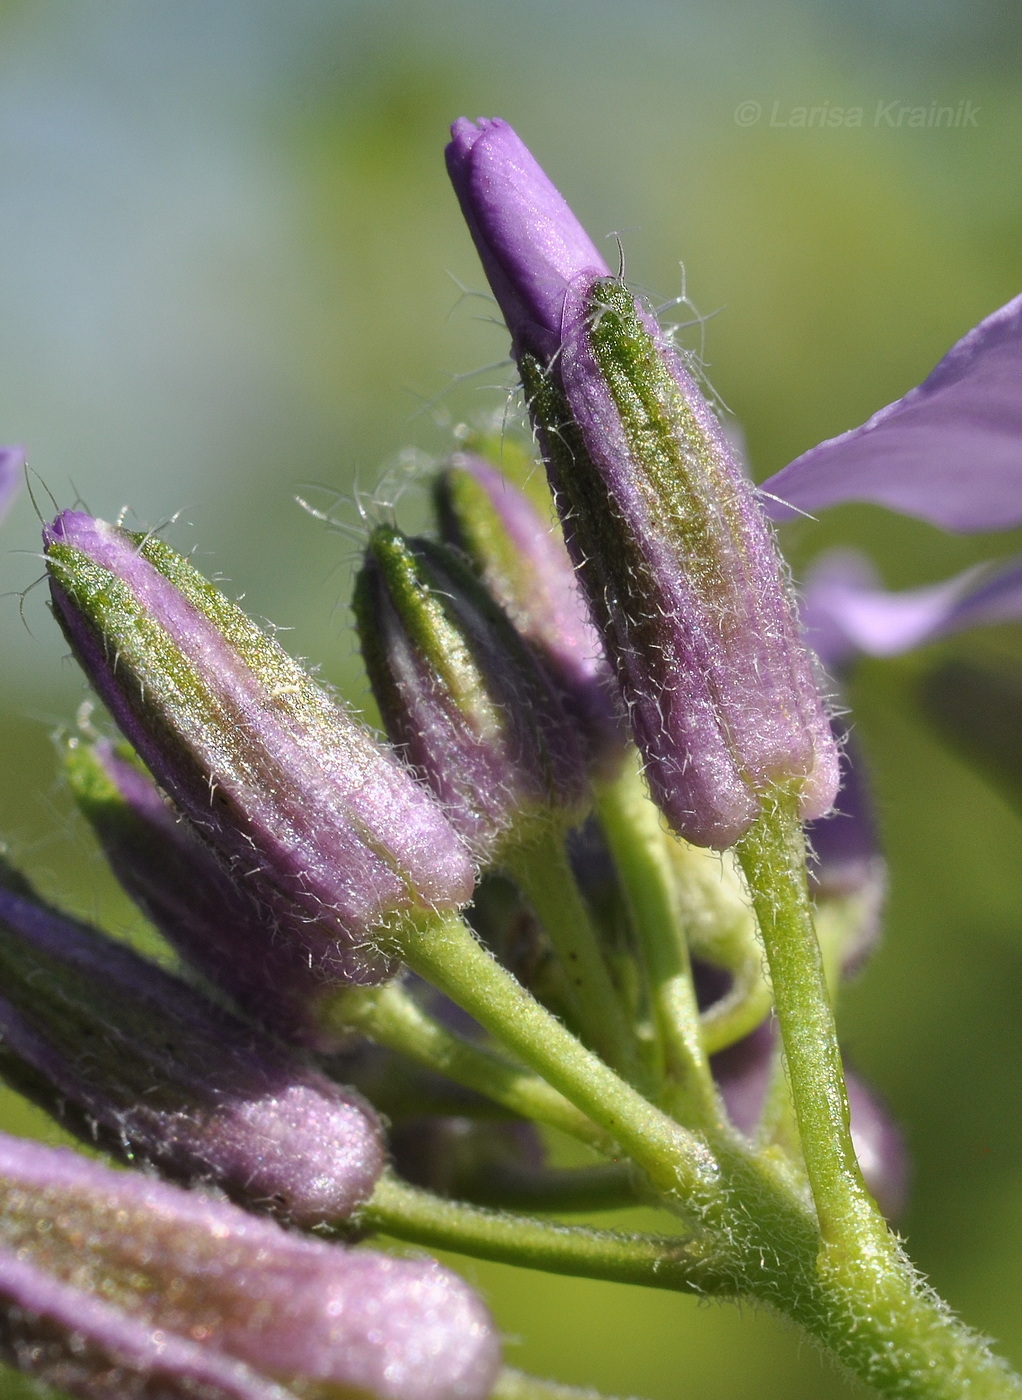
(231, 272)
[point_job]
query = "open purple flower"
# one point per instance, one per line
(847, 611)
(948, 452)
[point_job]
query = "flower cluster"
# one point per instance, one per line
(568, 890)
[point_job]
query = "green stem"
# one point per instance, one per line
(447, 954)
(390, 1017)
(634, 830)
(772, 854)
(406, 1213)
(542, 871)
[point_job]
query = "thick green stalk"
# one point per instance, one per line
(447, 954)
(390, 1017)
(634, 830)
(772, 854)
(419, 1217)
(542, 871)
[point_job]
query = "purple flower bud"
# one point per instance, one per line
(12, 462)
(146, 1260)
(461, 693)
(523, 561)
(130, 1056)
(743, 1072)
(215, 923)
(298, 801)
(674, 554)
(530, 244)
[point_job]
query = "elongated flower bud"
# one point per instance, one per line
(461, 693)
(674, 554)
(523, 561)
(130, 1056)
(297, 800)
(96, 1265)
(214, 922)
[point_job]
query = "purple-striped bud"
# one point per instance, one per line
(674, 554)
(301, 805)
(214, 922)
(133, 1058)
(521, 558)
(461, 693)
(113, 1285)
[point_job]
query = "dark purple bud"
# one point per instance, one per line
(461, 694)
(743, 1073)
(214, 922)
(135, 1059)
(12, 465)
(145, 1260)
(530, 245)
(297, 800)
(673, 552)
(522, 559)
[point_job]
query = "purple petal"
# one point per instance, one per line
(12, 462)
(299, 1310)
(949, 452)
(529, 242)
(846, 611)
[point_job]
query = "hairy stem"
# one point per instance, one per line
(543, 873)
(634, 831)
(447, 954)
(390, 1017)
(657, 1261)
(773, 859)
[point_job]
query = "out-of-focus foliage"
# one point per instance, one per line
(230, 269)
